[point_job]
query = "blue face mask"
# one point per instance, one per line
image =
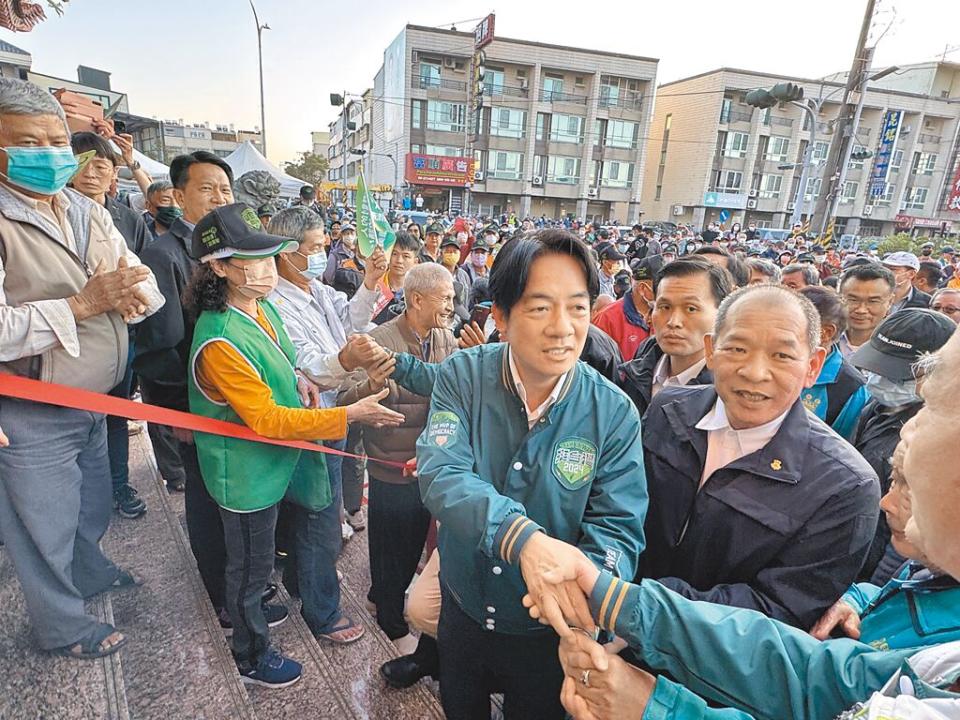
(41, 170)
(316, 264)
(889, 393)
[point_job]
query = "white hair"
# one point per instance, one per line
(425, 277)
(19, 97)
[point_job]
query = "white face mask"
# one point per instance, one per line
(889, 393)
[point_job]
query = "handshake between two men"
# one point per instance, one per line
(597, 684)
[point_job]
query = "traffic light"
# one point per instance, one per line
(336, 99)
(760, 99)
(861, 154)
(787, 92)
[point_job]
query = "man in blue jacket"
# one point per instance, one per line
(525, 450)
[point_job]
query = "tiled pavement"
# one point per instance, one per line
(177, 664)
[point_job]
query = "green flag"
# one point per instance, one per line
(373, 230)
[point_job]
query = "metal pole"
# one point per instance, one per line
(263, 111)
(798, 202)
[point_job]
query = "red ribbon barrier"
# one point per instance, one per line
(23, 388)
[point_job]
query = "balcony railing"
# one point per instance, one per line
(557, 96)
(928, 139)
(782, 121)
(494, 90)
(427, 82)
(734, 117)
(630, 101)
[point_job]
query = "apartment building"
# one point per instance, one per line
(711, 152)
(561, 131)
(348, 145)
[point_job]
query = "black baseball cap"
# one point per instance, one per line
(606, 251)
(235, 231)
(434, 229)
(900, 341)
(642, 269)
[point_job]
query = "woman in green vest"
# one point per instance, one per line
(242, 369)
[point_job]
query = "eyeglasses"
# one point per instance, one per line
(873, 303)
(945, 309)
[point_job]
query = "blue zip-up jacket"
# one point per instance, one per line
(839, 394)
(760, 668)
(492, 482)
(917, 607)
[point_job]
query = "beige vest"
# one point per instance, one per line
(40, 267)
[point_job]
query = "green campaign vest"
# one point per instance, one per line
(241, 475)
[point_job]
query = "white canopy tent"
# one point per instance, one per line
(246, 158)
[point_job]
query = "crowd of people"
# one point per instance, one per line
(630, 472)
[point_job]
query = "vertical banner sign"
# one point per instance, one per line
(889, 133)
(373, 230)
(953, 192)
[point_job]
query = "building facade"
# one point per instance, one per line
(560, 132)
(320, 143)
(348, 145)
(711, 153)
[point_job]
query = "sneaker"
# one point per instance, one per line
(273, 614)
(272, 670)
(357, 520)
(346, 532)
(128, 503)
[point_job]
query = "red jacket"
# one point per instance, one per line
(628, 335)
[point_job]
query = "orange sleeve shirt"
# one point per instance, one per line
(226, 376)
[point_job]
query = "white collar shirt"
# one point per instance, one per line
(726, 445)
(662, 377)
(534, 415)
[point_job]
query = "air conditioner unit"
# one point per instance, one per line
(592, 193)
(678, 209)
(538, 179)
(478, 175)
(867, 210)
(751, 204)
(752, 193)
(791, 206)
(449, 62)
(524, 84)
(928, 125)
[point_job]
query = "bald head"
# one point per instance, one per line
(931, 460)
(774, 299)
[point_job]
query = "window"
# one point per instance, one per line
(736, 145)
(915, 198)
(896, 161)
(777, 148)
(493, 81)
(770, 186)
(663, 155)
(564, 170)
(887, 196)
(924, 163)
(765, 116)
(543, 124)
(507, 122)
(445, 116)
(857, 164)
(820, 151)
(725, 110)
(728, 181)
(849, 194)
(621, 134)
(444, 150)
(429, 74)
(609, 91)
(566, 128)
(812, 191)
(504, 165)
(552, 88)
(416, 120)
(616, 174)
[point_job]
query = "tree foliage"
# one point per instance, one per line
(310, 168)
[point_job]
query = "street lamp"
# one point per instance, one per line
(396, 168)
(263, 112)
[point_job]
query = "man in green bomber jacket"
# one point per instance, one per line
(524, 447)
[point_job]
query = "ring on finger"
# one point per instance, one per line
(585, 678)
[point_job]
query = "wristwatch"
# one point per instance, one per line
(134, 166)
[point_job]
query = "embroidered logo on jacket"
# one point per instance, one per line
(443, 426)
(574, 461)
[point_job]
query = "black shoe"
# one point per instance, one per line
(177, 485)
(404, 671)
(273, 614)
(128, 503)
(269, 593)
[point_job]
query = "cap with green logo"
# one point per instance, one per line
(235, 231)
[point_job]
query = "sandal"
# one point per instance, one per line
(91, 646)
(344, 632)
(125, 579)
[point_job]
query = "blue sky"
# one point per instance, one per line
(197, 59)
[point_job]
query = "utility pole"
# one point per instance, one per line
(263, 110)
(838, 157)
